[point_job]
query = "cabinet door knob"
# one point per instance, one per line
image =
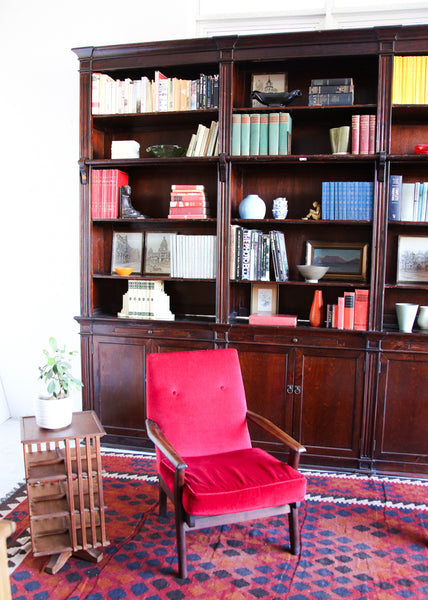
(295, 340)
(297, 389)
(290, 389)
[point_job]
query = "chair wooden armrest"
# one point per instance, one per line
(160, 441)
(295, 448)
(6, 529)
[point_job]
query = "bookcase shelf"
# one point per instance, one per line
(351, 366)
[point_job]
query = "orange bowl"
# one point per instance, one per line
(124, 271)
(421, 149)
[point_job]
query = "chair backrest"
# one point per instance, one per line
(198, 400)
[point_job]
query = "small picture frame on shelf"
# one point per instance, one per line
(264, 298)
(346, 260)
(412, 259)
(157, 253)
(127, 250)
(268, 83)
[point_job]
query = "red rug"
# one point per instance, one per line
(361, 538)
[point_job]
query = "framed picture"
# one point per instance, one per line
(127, 250)
(412, 259)
(346, 260)
(157, 253)
(268, 82)
(264, 298)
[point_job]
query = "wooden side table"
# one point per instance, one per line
(65, 491)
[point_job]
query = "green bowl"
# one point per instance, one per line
(164, 150)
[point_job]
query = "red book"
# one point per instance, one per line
(282, 320)
(361, 310)
(355, 134)
(105, 192)
(96, 194)
(186, 187)
(188, 210)
(349, 310)
(340, 311)
(364, 134)
(372, 134)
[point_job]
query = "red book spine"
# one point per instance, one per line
(361, 314)
(187, 187)
(364, 134)
(96, 194)
(372, 134)
(188, 210)
(349, 310)
(355, 134)
(340, 311)
(282, 320)
(190, 203)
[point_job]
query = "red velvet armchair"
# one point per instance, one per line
(197, 419)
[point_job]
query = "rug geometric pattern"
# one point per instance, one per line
(361, 538)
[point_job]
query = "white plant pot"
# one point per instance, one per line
(53, 413)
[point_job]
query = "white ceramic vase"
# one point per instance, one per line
(252, 207)
(406, 315)
(53, 413)
(422, 319)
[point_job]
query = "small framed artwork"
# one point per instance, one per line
(264, 298)
(127, 250)
(157, 253)
(268, 83)
(412, 259)
(346, 260)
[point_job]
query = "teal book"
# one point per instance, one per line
(255, 134)
(264, 134)
(273, 133)
(245, 135)
(236, 134)
(284, 143)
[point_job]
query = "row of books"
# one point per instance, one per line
(347, 200)
(363, 134)
(205, 141)
(193, 256)
(251, 252)
(115, 96)
(188, 202)
(261, 134)
(407, 201)
(146, 299)
(105, 185)
(350, 312)
(410, 80)
(331, 92)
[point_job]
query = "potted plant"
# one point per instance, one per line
(54, 411)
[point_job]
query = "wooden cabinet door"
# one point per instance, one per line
(401, 432)
(328, 403)
(119, 389)
(266, 372)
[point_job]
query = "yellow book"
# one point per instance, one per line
(396, 80)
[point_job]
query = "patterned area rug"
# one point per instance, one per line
(361, 538)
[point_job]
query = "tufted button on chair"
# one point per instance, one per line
(197, 419)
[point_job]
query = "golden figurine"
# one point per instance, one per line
(314, 213)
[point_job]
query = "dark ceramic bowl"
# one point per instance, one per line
(166, 150)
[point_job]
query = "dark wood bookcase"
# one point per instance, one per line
(358, 400)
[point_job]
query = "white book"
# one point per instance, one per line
(407, 201)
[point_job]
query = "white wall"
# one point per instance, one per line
(39, 149)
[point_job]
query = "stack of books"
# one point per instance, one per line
(363, 134)
(407, 201)
(331, 92)
(146, 299)
(261, 134)
(251, 252)
(410, 80)
(205, 141)
(188, 202)
(105, 185)
(193, 256)
(350, 312)
(347, 200)
(114, 96)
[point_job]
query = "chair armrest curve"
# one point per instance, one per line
(160, 441)
(275, 431)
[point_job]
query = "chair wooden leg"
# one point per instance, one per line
(181, 542)
(293, 524)
(162, 502)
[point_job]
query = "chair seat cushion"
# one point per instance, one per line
(237, 481)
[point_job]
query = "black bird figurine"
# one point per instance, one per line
(275, 98)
